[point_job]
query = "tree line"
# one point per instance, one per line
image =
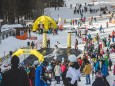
(12, 10)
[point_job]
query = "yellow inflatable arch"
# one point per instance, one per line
(30, 51)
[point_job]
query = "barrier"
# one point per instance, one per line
(29, 51)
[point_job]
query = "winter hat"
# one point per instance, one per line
(72, 58)
(15, 60)
(99, 74)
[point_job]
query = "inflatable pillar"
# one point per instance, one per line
(44, 41)
(69, 40)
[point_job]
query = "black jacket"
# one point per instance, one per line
(15, 77)
(99, 82)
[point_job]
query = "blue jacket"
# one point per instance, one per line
(38, 81)
(97, 66)
(104, 70)
(89, 36)
(37, 76)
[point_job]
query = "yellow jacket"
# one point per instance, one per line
(87, 69)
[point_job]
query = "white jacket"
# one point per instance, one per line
(73, 74)
(57, 70)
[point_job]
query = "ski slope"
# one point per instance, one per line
(12, 44)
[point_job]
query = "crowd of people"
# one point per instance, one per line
(95, 62)
(69, 71)
(81, 9)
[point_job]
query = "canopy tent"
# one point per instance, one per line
(46, 21)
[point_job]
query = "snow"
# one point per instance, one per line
(12, 44)
(64, 12)
(8, 27)
(67, 13)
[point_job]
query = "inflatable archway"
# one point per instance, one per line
(46, 21)
(30, 51)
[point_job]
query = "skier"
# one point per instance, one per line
(32, 45)
(48, 43)
(113, 35)
(76, 44)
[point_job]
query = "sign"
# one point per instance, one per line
(21, 33)
(32, 38)
(27, 51)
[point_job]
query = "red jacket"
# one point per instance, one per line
(80, 62)
(113, 33)
(63, 68)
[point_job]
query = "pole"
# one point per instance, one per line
(69, 40)
(44, 41)
(0, 33)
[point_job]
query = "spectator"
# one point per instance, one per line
(110, 64)
(32, 45)
(48, 43)
(57, 71)
(104, 70)
(32, 76)
(99, 80)
(87, 72)
(29, 31)
(76, 44)
(64, 70)
(15, 76)
(72, 74)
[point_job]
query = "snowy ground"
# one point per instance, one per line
(12, 44)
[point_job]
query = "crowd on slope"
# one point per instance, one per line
(69, 71)
(96, 61)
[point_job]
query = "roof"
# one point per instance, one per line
(8, 27)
